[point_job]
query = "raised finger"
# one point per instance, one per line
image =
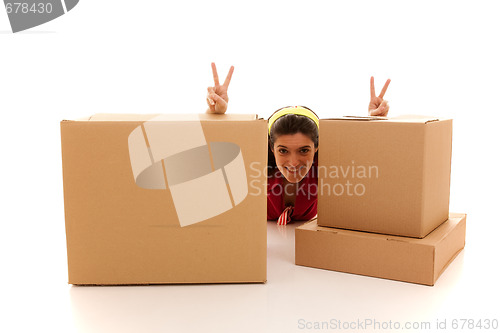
(210, 91)
(384, 89)
(372, 88)
(216, 77)
(228, 77)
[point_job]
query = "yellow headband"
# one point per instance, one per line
(299, 110)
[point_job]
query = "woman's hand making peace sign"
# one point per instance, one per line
(378, 106)
(217, 95)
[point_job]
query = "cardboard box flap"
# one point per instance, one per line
(358, 118)
(444, 229)
(403, 118)
(313, 226)
(451, 245)
(411, 118)
(168, 117)
(433, 238)
(121, 117)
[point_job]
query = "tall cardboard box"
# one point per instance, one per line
(416, 260)
(389, 176)
(153, 199)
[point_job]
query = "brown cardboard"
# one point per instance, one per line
(416, 260)
(122, 224)
(389, 176)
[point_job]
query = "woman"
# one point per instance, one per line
(293, 147)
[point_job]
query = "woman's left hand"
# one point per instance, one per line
(378, 106)
(217, 98)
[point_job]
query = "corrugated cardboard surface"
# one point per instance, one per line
(398, 258)
(397, 171)
(120, 233)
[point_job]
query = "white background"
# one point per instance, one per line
(154, 57)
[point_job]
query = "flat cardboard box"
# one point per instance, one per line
(159, 199)
(389, 176)
(390, 257)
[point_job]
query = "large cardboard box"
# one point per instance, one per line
(417, 260)
(153, 199)
(390, 176)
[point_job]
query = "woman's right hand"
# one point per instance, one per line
(378, 106)
(217, 98)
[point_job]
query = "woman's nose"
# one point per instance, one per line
(293, 161)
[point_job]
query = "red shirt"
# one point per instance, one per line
(306, 201)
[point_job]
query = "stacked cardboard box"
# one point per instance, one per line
(153, 199)
(383, 199)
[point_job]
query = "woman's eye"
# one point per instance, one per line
(304, 151)
(282, 151)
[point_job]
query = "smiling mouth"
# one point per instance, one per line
(294, 170)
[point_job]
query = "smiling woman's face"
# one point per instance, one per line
(294, 154)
